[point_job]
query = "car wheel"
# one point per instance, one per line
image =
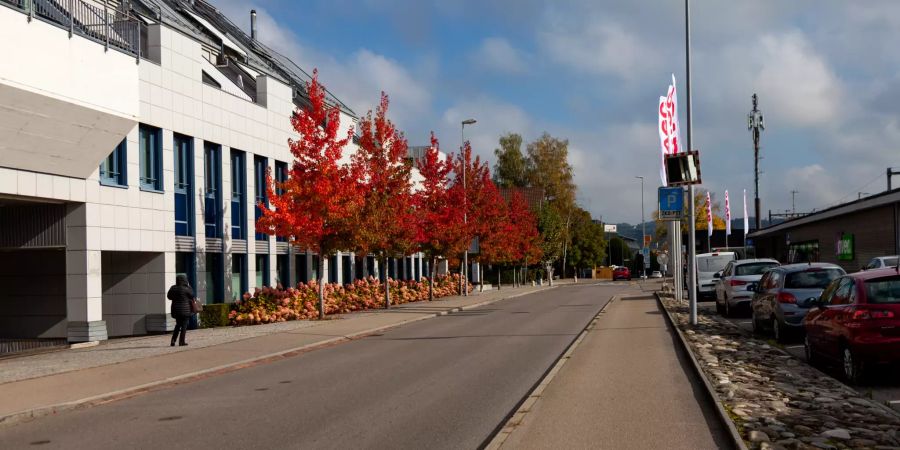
(853, 370)
(811, 358)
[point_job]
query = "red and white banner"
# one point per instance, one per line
(669, 141)
(727, 215)
(709, 219)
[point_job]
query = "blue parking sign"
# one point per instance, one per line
(671, 203)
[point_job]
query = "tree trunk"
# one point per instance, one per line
(431, 281)
(387, 288)
(550, 274)
(499, 272)
(322, 260)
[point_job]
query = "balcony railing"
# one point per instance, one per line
(113, 28)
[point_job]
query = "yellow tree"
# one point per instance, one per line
(699, 216)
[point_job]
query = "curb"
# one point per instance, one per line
(42, 411)
(501, 433)
(736, 438)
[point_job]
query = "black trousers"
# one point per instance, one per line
(181, 324)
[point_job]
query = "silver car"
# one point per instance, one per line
(731, 289)
(882, 261)
(784, 295)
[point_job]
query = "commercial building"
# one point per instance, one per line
(134, 139)
(850, 234)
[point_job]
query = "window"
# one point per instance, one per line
(238, 276)
(262, 270)
(259, 174)
(753, 268)
(843, 293)
(281, 169)
(112, 169)
(212, 162)
(238, 194)
(214, 278)
(812, 279)
(883, 290)
(150, 148)
(184, 265)
(282, 267)
(184, 178)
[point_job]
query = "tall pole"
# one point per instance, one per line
(794, 204)
(692, 225)
(643, 231)
(755, 125)
(463, 275)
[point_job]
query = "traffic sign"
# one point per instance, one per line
(647, 240)
(646, 252)
(671, 203)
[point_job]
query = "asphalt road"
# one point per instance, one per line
(883, 386)
(446, 382)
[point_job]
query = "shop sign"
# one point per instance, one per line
(844, 247)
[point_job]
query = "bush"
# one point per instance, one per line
(215, 315)
(268, 305)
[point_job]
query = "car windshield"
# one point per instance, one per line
(812, 279)
(883, 290)
(754, 268)
(713, 263)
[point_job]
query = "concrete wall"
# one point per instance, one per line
(133, 289)
(33, 294)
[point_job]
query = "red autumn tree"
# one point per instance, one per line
(495, 231)
(316, 207)
(465, 193)
(439, 220)
(526, 242)
(387, 219)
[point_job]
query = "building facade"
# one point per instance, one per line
(134, 141)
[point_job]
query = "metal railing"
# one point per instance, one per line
(111, 27)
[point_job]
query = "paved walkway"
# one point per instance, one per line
(626, 386)
(53, 381)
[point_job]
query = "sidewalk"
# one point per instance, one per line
(50, 382)
(624, 386)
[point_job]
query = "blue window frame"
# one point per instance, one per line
(238, 194)
(212, 203)
(259, 175)
(113, 168)
(281, 169)
(184, 185)
(150, 148)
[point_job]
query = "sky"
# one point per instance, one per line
(592, 71)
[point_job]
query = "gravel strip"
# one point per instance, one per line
(777, 401)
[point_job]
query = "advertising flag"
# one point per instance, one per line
(709, 219)
(670, 142)
(663, 139)
(746, 219)
(727, 215)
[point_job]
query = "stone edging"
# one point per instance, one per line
(107, 397)
(733, 432)
(526, 404)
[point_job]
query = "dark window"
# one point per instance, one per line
(883, 290)
(259, 176)
(281, 169)
(112, 169)
(811, 279)
(301, 268)
(207, 79)
(150, 148)
(214, 277)
(212, 162)
(842, 294)
(282, 267)
(238, 194)
(184, 180)
(184, 265)
(238, 276)
(753, 268)
(262, 270)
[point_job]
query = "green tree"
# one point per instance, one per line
(588, 247)
(619, 253)
(511, 167)
(552, 227)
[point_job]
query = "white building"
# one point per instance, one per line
(133, 138)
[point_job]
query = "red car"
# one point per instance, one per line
(621, 273)
(856, 322)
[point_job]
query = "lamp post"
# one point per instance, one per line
(643, 231)
(464, 269)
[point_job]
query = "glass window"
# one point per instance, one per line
(262, 270)
(184, 265)
(238, 194)
(712, 264)
(842, 294)
(238, 276)
(259, 183)
(281, 169)
(184, 177)
(112, 169)
(753, 268)
(212, 162)
(282, 268)
(214, 275)
(812, 279)
(883, 290)
(150, 149)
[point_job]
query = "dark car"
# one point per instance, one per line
(621, 273)
(856, 322)
(784, 294)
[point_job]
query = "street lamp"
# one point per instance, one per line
(464, 269)
(643, 230)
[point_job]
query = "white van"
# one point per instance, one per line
(708, 264)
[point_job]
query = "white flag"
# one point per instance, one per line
(709, 219)
(663, 139)
(727, 215)
(670, 142)
(746, 219)
(675, 129)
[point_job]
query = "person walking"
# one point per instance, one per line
(181, 295)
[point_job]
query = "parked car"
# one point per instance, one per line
(856, 322)
(784, 295)
(621, 273)
(882, 262)
(656, 274)
(731, 289)
(708, 264)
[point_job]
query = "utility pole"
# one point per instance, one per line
(464, 270)
(755, 124)
(793, 204)
(692, 221)
(643, 231)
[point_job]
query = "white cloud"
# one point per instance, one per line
(498, 55)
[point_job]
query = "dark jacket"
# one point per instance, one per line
(181, 295)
